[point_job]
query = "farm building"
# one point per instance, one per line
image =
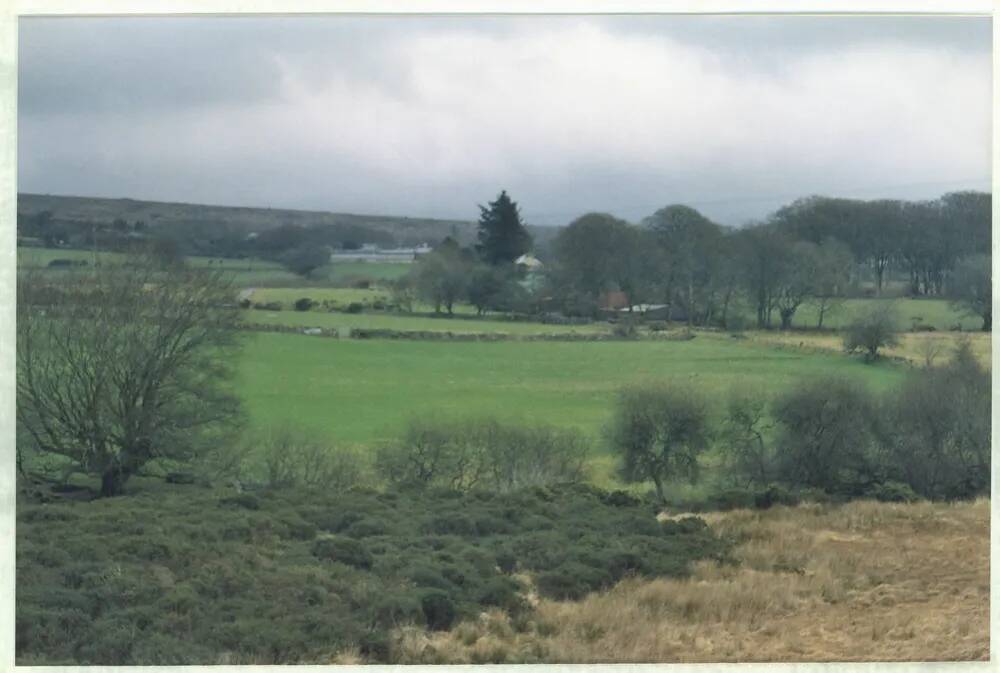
(529, 262)
(372, 253)
(612, 301)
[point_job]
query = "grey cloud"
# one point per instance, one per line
(429, 116)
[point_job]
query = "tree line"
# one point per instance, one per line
(815, 250)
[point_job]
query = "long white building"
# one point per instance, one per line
(372, 253)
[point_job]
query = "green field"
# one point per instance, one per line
(244, 272)
(361, 392)
(375, 271)
(934, 312)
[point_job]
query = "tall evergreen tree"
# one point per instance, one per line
(502, 236)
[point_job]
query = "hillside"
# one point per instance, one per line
(79, 209)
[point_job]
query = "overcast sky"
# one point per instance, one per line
(428, 116)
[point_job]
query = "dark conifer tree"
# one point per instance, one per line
(502, 236)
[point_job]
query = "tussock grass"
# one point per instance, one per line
(913, 346)
(863, 581)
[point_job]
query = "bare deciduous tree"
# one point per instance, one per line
(743, 438)
(125, 365)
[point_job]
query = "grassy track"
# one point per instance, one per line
(361, 392)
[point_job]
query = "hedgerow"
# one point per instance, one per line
(183, 574)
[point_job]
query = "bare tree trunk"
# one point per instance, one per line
(112, 482)
(690, 302)
(658, 483)
(725, 309)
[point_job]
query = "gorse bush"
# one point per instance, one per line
(172, 575)
(937, 431)
(483, 454)
(929, 438)
(826, 435)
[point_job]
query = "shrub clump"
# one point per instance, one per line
(483, 454)
(263, 586)
(342, 550)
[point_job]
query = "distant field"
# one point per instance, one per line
(272, 282)
(360, 392)
(36, 257)
(245, 272)
(934, 312)
(369, 270)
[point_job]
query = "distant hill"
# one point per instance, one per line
(212, 230)
(205, 220)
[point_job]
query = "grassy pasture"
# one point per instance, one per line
(361, 392)
(935, 312)
(375, 271)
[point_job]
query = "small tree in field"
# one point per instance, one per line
(659, 431)
(870, 332)
(440, 277)
(305, 259)
(125, 366)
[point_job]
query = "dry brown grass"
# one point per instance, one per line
(864, 581)
(913, 346)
